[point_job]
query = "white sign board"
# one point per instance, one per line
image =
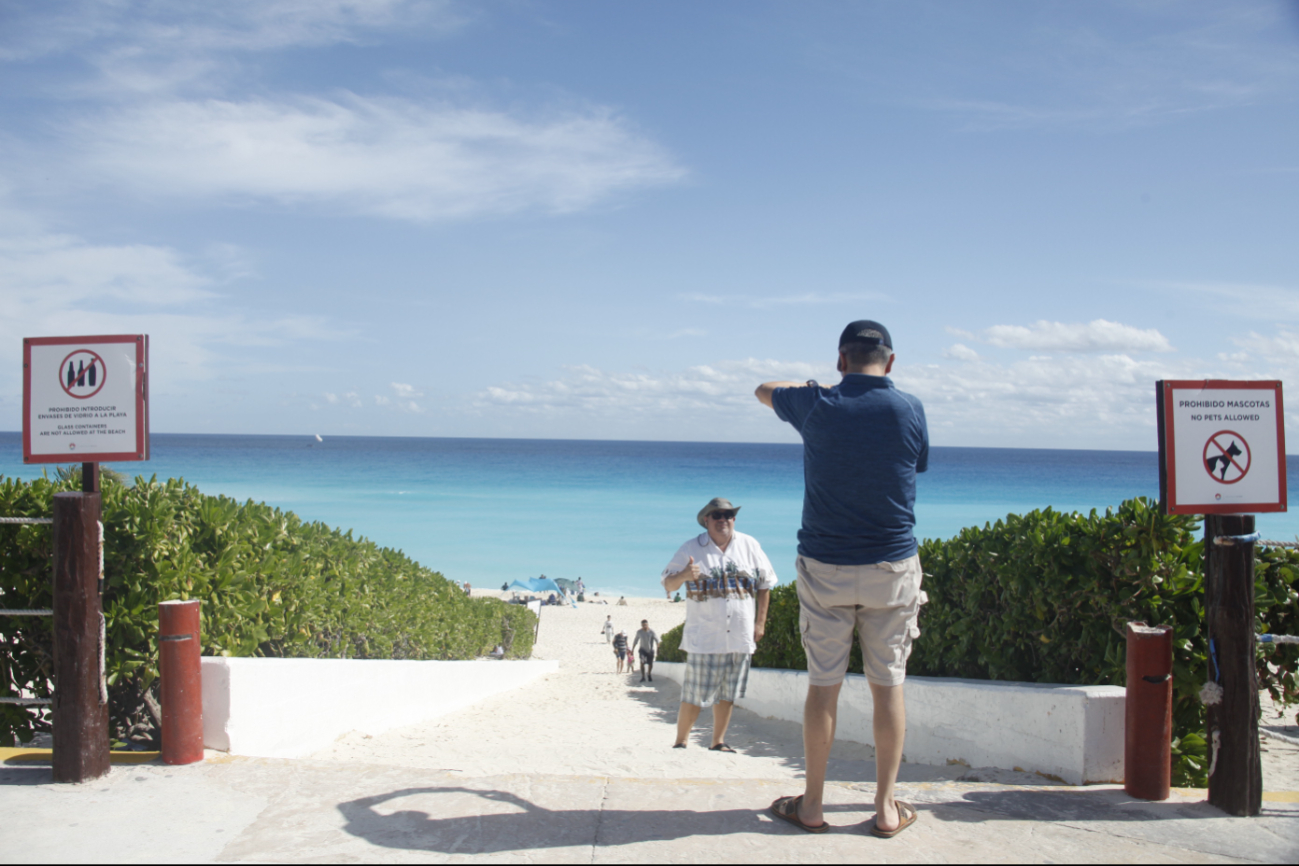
(1221, 447)
(85, 399)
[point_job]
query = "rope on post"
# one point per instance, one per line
(26, 520)
(1291, 544)
(37, 611)
(26, 701)
(1229, 540)
(1277, 638)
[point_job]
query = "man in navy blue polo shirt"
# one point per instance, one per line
(863, 443)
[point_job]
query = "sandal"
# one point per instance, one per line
(721, 747)
(786, 809)
(906, 814)
(679, 746)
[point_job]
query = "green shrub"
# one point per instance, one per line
(670, 645)
(1045, 597)
(271, 585)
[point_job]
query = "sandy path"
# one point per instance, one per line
(587, 720)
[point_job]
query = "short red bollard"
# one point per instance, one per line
(180, 670)
(1148, 710)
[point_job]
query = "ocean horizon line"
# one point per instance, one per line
(313, 434)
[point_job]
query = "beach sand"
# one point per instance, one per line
(586, 720)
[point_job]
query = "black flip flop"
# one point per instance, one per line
(679, 746)
(721, 747)
(786, 809)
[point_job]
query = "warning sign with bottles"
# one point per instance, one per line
(1221, 447)
(85, 399)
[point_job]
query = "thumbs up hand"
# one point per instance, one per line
(691, 571)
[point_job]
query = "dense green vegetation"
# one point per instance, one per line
(271, 585)
(1045, 597)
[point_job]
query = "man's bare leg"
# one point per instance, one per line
(890, 725)
(686, 717)
(721, 720)
(820, 715)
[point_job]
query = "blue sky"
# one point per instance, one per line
(613, 220)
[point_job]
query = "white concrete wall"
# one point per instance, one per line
(1074, 733)
(287, 708)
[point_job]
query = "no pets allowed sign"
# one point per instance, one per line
(85, 399)
(1221, 447)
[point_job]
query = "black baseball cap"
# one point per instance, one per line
(865, 332)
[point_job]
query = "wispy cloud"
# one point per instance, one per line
(1099, 335)
(1125, 65)
(389, 157)
(1246, 300)
(181, 27)
(768, 302)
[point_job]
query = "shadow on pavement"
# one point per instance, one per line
(15, 775)
(528, 826)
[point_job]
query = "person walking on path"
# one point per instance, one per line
(728, 590)
(858, 567)
(645, 642)
(607, 628)
(620, 650)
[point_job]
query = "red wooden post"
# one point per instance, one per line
(180, 671)
(1148, 712)
(81, 747)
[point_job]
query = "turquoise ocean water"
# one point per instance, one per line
(494, 510)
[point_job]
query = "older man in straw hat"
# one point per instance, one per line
(728, 582)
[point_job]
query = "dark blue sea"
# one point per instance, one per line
(491, 511)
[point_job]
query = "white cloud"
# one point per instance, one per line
(1101, 401)
(389, 157)
(405, 392)
(48, 271)
(380, 400)
(586, 391)
(961, 353)
(1096, 336)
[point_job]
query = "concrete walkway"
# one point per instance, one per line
(243, 809)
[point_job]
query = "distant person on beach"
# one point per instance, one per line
(620, 650)
(622, 600)
(608, 629)
(469, 590)
(644, 644)
(858, 567)
(727, 592)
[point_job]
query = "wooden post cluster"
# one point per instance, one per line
(81, 746)
(1235, 770)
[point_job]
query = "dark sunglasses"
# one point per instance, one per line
(722, 515)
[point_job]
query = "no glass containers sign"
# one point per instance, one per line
(85, 399)
(1221, 447)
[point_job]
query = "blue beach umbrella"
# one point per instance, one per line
(537, 584)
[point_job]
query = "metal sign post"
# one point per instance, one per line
(1222, 454)
(85, 400)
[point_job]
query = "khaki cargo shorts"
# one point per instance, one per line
(882, 601)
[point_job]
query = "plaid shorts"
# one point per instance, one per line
(712, 677)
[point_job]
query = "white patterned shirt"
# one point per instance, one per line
(720, 606)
